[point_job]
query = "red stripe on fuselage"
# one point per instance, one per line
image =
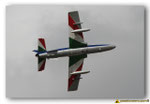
(74, 27)
(71, 79)
(43, 42)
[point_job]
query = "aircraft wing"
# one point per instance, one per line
(76, 40)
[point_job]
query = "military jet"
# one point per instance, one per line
(76, 51)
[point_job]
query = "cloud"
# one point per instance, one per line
(119, 72)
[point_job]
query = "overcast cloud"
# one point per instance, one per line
(116, 73)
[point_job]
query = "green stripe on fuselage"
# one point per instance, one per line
(75, 44)
(74, 59)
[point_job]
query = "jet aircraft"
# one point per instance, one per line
(76, 51)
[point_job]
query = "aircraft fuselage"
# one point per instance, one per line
(62, 52)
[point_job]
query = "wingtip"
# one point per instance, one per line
(72, 12)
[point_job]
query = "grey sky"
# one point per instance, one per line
(116, 73)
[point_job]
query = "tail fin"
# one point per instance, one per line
(41, 48)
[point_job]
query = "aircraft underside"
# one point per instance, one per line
(76, 51)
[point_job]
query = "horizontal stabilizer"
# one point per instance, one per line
(41, 51)
(80, 30)
(79, 72)
(41, 63)
(77, 23)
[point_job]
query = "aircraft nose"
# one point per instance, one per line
(113, 46)
(110, 47)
